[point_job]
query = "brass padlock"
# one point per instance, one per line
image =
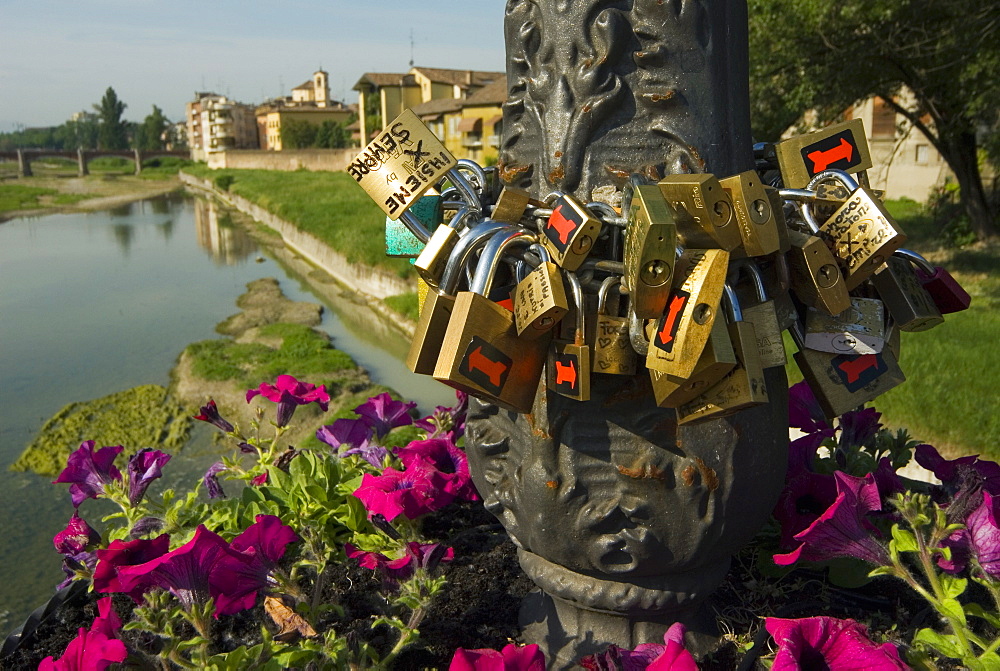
(613, 354)
(778, 210)
(438, 304)
(569, 362)
(570, 231)
(743, 386)
(511, 205)
(911, 307)
(649, 254)
(816, 276)
(717, 359)
(860, 329)
(840, 146)
(540, 298)
(482, 353)
(705, 216)
(842, 382)
(861, 233)
(683, 329)
(431, 262)
(764, 317)
(757, 221)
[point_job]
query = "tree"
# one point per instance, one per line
(81, 132)
(113, 130)
(331, 135)
(935, 62)
(149, 135)
(296, 134)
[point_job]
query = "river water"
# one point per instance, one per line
(96, 303)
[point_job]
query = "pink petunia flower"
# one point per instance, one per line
(418, 555)
(842, 530)
(450, 466)
(107, 621)
(383, 414)
(829, 643)
(670, 656)
(289, 393)
(76, 537)
(264, 542)
(89, 651)
(89, 472)
(120, 554)
(210, 414)
(511, 658)
(410, 493)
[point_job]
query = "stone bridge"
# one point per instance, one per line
(24, 157)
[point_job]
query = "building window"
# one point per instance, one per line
(883, 120)
(923, 154)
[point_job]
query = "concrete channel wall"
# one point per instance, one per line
(370, 283)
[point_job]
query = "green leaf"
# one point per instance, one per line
(903, 540)
(953, 586)
(951, 608)
(946, 645)
(976, 610)
(848, 572)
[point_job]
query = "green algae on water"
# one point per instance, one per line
(140, 417)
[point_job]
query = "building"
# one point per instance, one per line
(215, 123)
(420, 85)
(309, 103)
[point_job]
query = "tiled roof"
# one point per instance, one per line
(438, 106)
(304, 85)
(494, 93)
(381, 79)
(459, 77)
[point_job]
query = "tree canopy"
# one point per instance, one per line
(936, 62)
(113, 130)
(149, 134)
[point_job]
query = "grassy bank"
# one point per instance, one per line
(327, 205)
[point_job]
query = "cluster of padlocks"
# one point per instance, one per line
(693, 277)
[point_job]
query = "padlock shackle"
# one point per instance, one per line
(492, 255)
(415, 226)
(733, 309)
(606, 214)
(797, 194)
(637, 333)
(838, 175)
(477, 172)
(458, 220)
(915, 259)
(602, 293)
(581, 308)
(541, 251)
(753, 271)
(463, 251)
(465, 189)
(807, 216)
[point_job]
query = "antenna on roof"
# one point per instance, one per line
(411, 47)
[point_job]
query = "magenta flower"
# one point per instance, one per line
(89, 651)
(410, 493)
(203, 567)
(120, 554)
(107, 621)
(354, 435)
(804, 412)
(417, 556)
(264, 543)
(143, 468)
(210, 414)
(289, 393)
(267, 538)
(445, 422)
(383, 414)
(670, 656)
(89, 472)
(76, 537)
(211, 480)
(829, 643)
(842, 531)
(858, 427)
(511, 658)
(259, 480)
(449, 465)
(980, 539)
(949, 471)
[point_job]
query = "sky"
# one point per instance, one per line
(59, 57)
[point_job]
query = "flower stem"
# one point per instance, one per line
(926, 562)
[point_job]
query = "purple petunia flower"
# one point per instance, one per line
(89, 651)
(829, 643)
(670, 656)
(204, 567)
(410, 493)
(289, 393)
(980, 539)
(76, 537)
(77, 567)
(805, 497)
(445, 422)
(804, 411)
(842, 531)
(264, 543)
(857, 427)
(949, 471)
(449, 465)
(352, 436)
(143, 468)
(210, 414)
(383, 414)
(120, 554)
(417, 555)
(89, 472)
(511, 658)
(211, 480)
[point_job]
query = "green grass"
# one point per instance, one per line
(950, 398)
(163, 167)
(329, 205)
(19, 197)
(405, 304)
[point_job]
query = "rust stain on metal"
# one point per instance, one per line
(660, 97)
(653, 172)
(536, 430)
(688, 476)
(647, 471)
(557, 174)
(552, 484)
(708, 475)
(558, 154)
(588, 63)
(617, 172)
(586, 108)
(509, 172)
